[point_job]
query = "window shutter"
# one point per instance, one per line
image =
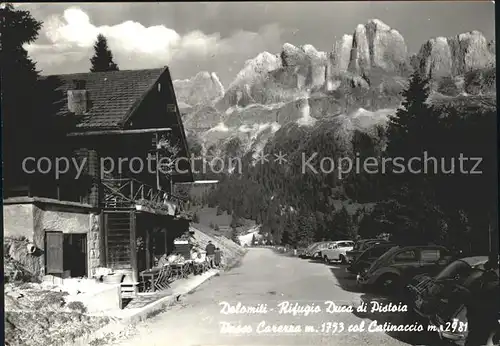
(54, 251)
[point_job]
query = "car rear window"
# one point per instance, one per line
(406, 256)
(430, 255)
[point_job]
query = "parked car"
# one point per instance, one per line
(393, 270)
(336, 251)
(315, 252)
(306, 251)
(367, 257)
(360, 246)
(440, 300)
(425, 288)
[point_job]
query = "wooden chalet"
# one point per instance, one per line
(127, 124)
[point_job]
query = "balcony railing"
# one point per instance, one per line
(127, 193)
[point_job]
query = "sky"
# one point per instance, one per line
(219, 37)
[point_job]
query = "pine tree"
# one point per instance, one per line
(409, 131)
(28, 106)
(254, 241)
(344, 226)
(235, 221)
(102, 60)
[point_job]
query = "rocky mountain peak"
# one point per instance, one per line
(372, 45)
(306, 63)
(378, 25)
(376, 44)
(256, 67)
(204, 87)
(456, 55)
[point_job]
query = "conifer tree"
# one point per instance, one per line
(409, 132)
(27, 101)
(102, 60)
(343, 224)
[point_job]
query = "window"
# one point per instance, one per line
(430, 255)
(406, 256)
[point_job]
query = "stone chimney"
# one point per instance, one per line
(77, 98)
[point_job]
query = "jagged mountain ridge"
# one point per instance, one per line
(366, 70)
(201, 89)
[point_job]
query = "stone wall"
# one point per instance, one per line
(55, 219)
(18, 221)
(94, 243)
(27, 223)
(18, 233)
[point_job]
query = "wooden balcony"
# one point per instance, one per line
(129, 193)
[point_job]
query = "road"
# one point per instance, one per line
(264, 280)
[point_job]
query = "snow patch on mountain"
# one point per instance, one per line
(306, 119)
(220, 127)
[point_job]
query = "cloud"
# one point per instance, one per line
(66, 44)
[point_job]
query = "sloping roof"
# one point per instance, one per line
(113, 95)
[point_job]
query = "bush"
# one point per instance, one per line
(77, 306)
(447, 86)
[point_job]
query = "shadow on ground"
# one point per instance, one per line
(316, 260)
(346, 281)
(372, 301)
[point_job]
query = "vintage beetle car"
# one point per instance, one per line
(360, 246)
(440, 299)
(425, 288)
(367, 257)
(393, 270)
(305, 252)
(315, 251)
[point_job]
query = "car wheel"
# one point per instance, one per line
(342, 259)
